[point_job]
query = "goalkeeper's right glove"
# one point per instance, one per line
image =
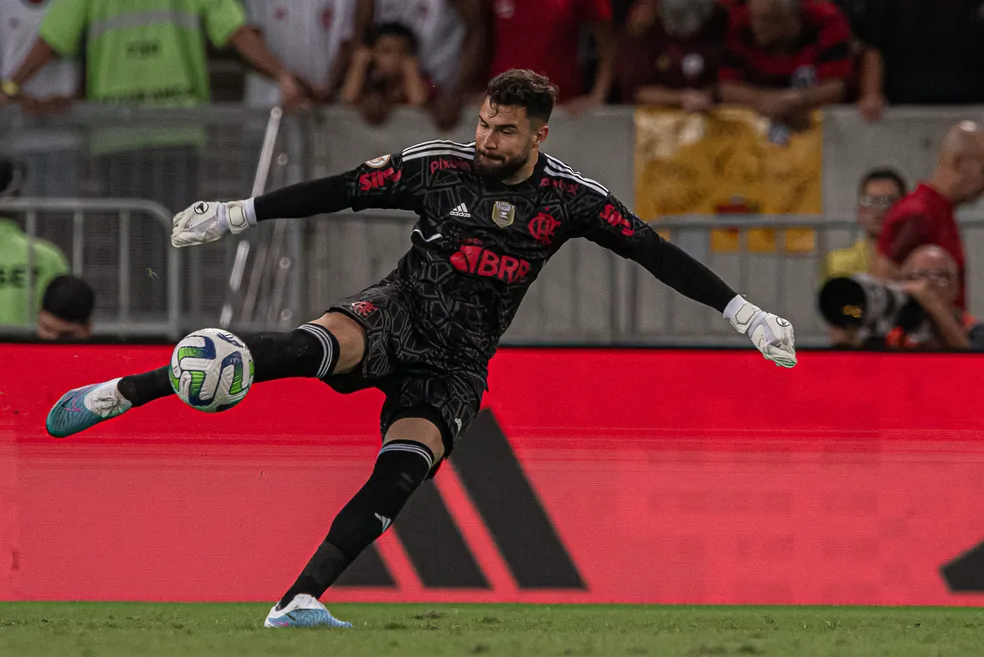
(207, 221)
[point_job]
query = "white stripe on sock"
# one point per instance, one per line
(413, 449)
(319, 333)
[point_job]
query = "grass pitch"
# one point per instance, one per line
(204, 630)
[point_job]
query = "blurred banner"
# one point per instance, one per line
(857, 483)
(729, 161)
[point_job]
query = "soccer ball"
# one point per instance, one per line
(211, 370)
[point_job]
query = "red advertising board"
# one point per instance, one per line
(591, 476)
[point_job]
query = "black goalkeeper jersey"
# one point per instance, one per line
(479, 244)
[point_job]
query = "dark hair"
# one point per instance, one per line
(524, 88)
(393, 29)
(884, 174)
(12, 174)
(70, 299)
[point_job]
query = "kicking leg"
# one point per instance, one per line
(411, 448)
(333, 343)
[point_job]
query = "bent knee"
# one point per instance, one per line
(418, 430)
(351, 339)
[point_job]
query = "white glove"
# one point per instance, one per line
(207, 221)
(772, 335)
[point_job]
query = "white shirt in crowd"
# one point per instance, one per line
(438, 28)
(306, 35)
(19, 22)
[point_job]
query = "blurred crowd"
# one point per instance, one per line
(779, 57)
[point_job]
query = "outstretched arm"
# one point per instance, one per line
(614, 227)
(385, 182)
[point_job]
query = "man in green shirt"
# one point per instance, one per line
(26, 265)
(149, 52)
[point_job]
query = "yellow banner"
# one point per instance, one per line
(727, 162)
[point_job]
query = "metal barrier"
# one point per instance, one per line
(272, 254)
(588, 295)
(292, 270)
(131, 281)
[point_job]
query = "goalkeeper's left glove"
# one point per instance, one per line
(772, 335)
(207, 221)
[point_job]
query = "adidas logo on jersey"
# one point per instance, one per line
(460, 211)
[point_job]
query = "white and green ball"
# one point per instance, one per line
(211, 370)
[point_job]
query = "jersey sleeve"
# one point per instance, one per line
(901, 234)
(611, 225)
(392, 181)
(222, 19)
(733, 59)
(834, 59)
(63, 25)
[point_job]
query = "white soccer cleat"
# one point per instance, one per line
(303, 611)
(84, 407)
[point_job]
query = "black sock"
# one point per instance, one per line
(310, 350)
(142, 388)
(402, 465)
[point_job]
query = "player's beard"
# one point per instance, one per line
(500, 169)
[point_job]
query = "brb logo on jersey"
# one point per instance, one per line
(379, 179)
(479, 260)
(542, 228)
(615, 218)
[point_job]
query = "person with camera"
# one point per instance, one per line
(927, 215)
(918, 313)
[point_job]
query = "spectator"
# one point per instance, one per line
(149, 51)
(66, 310)
(385, 73)
(670, 52)
(311, 38)
(922, 52)
(452, 38)
(926, 216)
(56, 83)
(880, 190)
(51, 153)
(784, 58)
(543, 35)
(932, 279)
(18, 252)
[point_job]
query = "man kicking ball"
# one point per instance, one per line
(490, 214)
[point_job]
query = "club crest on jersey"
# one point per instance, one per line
(503, 214)
(378, 162)
(542, 228)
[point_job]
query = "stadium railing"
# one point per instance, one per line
(144, 295)
(176, 156)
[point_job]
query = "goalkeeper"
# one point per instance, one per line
(490, 215)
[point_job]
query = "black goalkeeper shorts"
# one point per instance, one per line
(400, 361)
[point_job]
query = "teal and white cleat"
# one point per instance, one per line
(81, 408)
(303, 611)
